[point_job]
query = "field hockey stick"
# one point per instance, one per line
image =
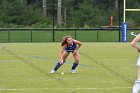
(66, 60)
(68, 57)
(133, 34)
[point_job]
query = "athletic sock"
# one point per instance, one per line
(57, 66)
(136, 87)
(74, 66)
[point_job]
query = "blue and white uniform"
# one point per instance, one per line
(70, 48)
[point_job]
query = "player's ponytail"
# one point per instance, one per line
(64, 40)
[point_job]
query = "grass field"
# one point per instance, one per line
(104, 68)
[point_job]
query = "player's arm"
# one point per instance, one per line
(78, 43)
(134, 42)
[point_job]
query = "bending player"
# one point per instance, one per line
(136, 86)
(68, 45)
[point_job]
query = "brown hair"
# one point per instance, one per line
(64, 40)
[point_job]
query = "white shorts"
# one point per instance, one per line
(138, 62)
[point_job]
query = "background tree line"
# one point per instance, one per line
(67, 13)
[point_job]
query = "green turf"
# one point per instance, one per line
(105, 36)
(60, 34)
(47, 35)
(88, 36)
(129, 34)
(23, 67)
(3, 36)
(20, 36)
(42, 36)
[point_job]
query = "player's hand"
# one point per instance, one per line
(61, 61)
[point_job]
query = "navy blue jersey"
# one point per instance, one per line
(71, 48)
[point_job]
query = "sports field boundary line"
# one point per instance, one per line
(26, 89)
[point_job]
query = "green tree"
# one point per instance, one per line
(17, 12)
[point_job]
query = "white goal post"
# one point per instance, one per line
(124, 24)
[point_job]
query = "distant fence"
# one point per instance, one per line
(55, 35)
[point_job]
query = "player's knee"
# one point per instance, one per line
(132, 44)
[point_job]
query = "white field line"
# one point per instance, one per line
(25, 89)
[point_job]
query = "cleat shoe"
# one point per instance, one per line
(52, 71)
(73, 71)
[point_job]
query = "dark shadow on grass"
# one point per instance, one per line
(107, 68)
(32, 65)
